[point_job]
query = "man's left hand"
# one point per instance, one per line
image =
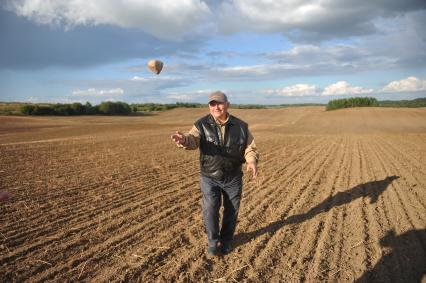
(253, 167)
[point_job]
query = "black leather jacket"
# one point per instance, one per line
(219, 159)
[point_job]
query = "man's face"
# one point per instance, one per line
(218, 109)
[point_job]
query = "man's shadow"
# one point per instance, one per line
(405, 262)
(372, 190)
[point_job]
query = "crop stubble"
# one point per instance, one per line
(340, 197)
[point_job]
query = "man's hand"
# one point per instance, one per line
(253, 167)
(178, 138)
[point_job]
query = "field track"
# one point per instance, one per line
(341, 197)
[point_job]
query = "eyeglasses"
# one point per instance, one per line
(214, 103)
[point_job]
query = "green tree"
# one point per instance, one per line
(114, 108)
(352, 102)
(27, 109)
(78, 108)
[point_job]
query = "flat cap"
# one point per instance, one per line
(218, 96)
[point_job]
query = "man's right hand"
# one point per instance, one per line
(178, 138)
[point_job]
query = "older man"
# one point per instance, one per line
(225, 143)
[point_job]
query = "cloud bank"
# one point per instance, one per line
(93, 92)
(100, 43)
(410, 84)
(169, 19)
(105, 31)
(312, 20)
(295, 90)
(343, 88)
(161, 18)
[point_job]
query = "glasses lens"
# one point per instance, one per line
(213, 103)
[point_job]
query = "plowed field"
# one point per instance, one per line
(341, 197)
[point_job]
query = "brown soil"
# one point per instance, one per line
(341, 197)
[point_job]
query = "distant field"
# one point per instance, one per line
(10, 108)
(105, 108)
(340, 197)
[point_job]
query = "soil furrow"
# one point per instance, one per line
(273, 233)
(340, 198)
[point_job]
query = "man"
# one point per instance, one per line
(225, 143)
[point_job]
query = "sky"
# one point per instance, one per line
(256, 51)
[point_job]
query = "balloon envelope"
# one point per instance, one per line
(155, 66)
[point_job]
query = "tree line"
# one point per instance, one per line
(418, 102)
(105, 108)
(352, 102)
(110, 108)
(122, 108)
(161, 107)
(373, 102)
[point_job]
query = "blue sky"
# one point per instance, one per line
(256, 51)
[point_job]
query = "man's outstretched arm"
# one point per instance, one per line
(190, 140)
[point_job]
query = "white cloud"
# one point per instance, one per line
(185, 97)
(247, 70)
(172, 19)
(155, 78)
(338, 54)
(305, 60)
(139, 79)
(343, 88)
(410, 84)
(33, 99)
(192, 95)
(271, 15)
(93, 92)
(167, 19)
(158, 81)
(295, 90)
(311, 20)
(258, 71)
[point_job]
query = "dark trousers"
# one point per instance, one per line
(230, 190)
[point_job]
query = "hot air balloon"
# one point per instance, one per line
(155, 66)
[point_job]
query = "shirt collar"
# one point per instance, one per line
(224, 123)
